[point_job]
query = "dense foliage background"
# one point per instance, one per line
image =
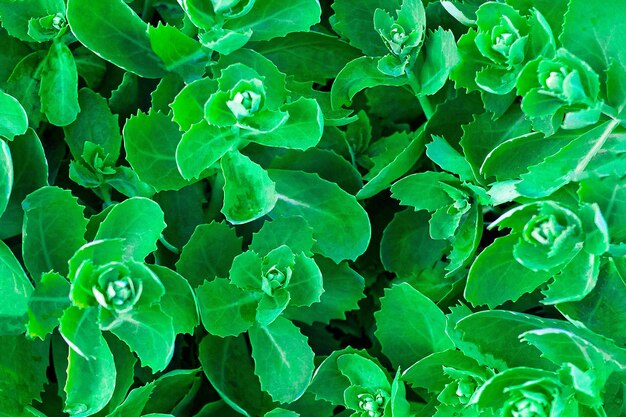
(312, 208)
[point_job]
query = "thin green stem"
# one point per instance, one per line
(427, 106)
(168, 245)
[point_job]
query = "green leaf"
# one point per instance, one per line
(354, 21)
(6, 176)
(13, 120)
(380, 177)
(114, 32)
(45, 228)
(95, 123)
(362, 371)
(440, 57)
(202, 146)
(483, 134)
(290, 231)
(247, 271)
(601, 310)
(496, 333)
(428, 372)
(154, 161)
(139, 221)
(496, 277)
(297, 16)
(46, 304)
(302, 130)
(59, 85)
(228, 366)
(249, 193)
(281, 412)
(225, 309)
(424, 190)
(24, 83)
(188, 106)
(270, 307)
(179, 301)
(209, 253)
(466, 240)
(135, 402)
(594, 33)
(343, 288)
(405, 341)
(15, 16)
(358, 75)
(30, 172)
(449, 159)
(329, 383)
(341, 226)
(407, 250)
(16, 289)
(23, 364)
(91, 369)
(575, 280)
(320, 56)
(306, 284)
(283, 360)
(616, 88)
(179, 53)
(566, 165)
(184, 211)
(511, 158)
(125, 371)
(149, 332)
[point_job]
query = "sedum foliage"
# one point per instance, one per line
(314, 208)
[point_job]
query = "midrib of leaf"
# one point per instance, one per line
(283, 355)
(595, 149)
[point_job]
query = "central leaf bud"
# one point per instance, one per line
(116, 290)
(246, 99)
(275, 278)
(530, 405)
(373, 405)
(543, 229)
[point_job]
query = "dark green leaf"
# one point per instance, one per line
(114, 32)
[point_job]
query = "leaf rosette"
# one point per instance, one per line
(493, 54)
(101, 276)
(527, 392)
(403, 37)
(277, 280)
(361, 385)
(559, 92)
(243, 100)
(551, 235)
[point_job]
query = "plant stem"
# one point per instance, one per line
(427, 106)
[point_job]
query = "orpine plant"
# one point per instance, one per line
(312, 208)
